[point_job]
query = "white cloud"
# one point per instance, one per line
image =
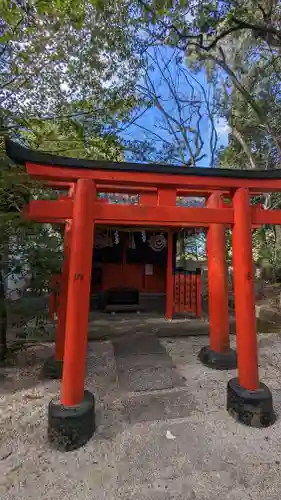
(222, 127)
(64, 87)
(189, 17)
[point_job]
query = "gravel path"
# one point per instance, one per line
(175, 444)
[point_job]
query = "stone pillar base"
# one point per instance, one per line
(253, 408)
(52, 368)
(70, 427)
(218, 360)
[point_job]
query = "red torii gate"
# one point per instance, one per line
(71, 420)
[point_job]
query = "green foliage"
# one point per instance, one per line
(68, 70)
(54, 67)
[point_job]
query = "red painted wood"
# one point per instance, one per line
(187, 293)
(155, 216)
(193, 293)
(44, 210)
(71, 174)
(167, 197)
(169, 278)
(157, 282)
(86, 212)
(182, 304)
(79, 284)
(127, 188)
(124, 189)
(176, 293)
(53, 210)
(148, 198)
(260, 216)
(246, 334)
(133, 275)
(217, 282)
(54, 173)
(199, 297)
(61, 323)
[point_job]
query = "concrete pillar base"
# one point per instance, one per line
(70, 427)
(218, 360)
(252, 408)
(52, 368)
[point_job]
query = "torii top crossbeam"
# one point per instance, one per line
(46, 166)
(157, 185)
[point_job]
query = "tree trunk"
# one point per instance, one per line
(181, 249)
(3, 320)
(247, 150)
(277, 252)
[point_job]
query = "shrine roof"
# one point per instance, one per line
(22, 156)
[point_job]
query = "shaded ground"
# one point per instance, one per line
(107, 326)
(204, 455)
(29, 319)
(268, 306)
(104, 326)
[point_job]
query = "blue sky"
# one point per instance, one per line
(150, 120)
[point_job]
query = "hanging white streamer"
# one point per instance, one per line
(116, 238)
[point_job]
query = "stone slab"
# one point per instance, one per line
(142, 344)
(138, 361)
(148, 379)
(150, 407)
(143, 364)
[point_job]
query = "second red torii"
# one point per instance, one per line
(71, 421)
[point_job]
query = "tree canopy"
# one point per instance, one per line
(80, 78)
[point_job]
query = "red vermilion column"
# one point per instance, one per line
(169, 278)
(79, 284)
(218, 355)
(248, 400)
(60, 331)
(217, 281)
(198, 296)
(246, 335)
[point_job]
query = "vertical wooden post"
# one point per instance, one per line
(217, 282)
(53, 299)
(79, 284)
(248, 400)
(167, 196)
(243, 268)
(198, 295)
(60, 330)
(219, 355)
(193, 278)
(169, 278)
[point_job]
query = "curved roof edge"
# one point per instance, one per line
(22, 155)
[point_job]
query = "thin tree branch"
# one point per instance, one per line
(239, 137)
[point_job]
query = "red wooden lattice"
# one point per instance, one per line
(187, 293)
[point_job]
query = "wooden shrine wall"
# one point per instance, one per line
(133, 276)
(134, 260)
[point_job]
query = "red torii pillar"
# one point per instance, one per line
(169, 278)
(60, 333)
(218, 355)
(52, 367)
(248, 400)
(71, 420)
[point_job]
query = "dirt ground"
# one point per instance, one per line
(175, 442)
